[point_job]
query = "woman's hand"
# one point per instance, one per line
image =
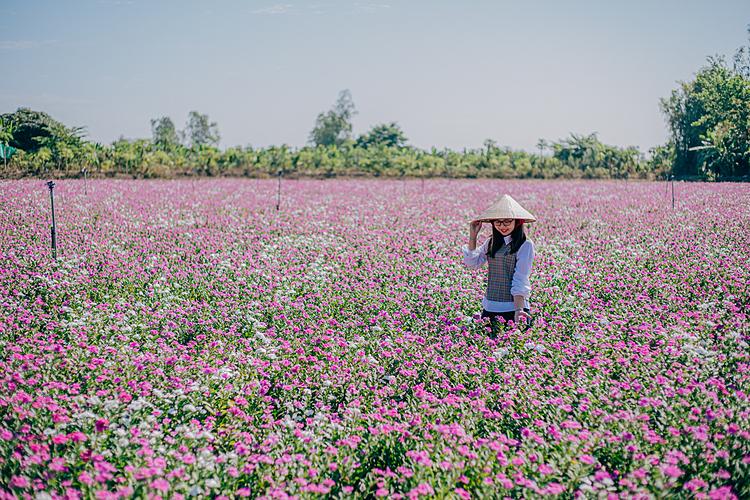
(474, 229)
(521, 315)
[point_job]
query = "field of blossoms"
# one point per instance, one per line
(193, 341)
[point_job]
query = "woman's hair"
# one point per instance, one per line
(518, 237)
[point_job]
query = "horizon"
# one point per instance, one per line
(264, 70)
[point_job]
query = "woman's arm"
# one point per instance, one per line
(520, 287)
(475, 257)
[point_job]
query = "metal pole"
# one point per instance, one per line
(51, 186)
(85, 182)
(673, 192)
(278, 193)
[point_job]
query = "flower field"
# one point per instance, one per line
(192, 341)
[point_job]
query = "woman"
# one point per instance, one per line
(509, 256)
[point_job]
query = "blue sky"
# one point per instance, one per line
(451, 73)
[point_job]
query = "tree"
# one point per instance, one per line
(542, 144)
(709, 120)
(7, 128)
(725, 142)
(164, 134)
(389, 135)
(34, 129)
(199, 131)
(334, 127)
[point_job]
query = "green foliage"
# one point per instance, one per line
(382, 152)
(389, 135)
(709, 119)
(199, 131)
(661, 160)
(335, 127)
(144, 158)
(32, 130)
(595, 159)
(7, 128)
(164, 134)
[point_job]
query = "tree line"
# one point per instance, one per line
(708, 119)
(383, 151)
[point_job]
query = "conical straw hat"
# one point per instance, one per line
(505, 208)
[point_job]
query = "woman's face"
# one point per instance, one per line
(504, 226)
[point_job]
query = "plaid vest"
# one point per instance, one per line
(500, 270)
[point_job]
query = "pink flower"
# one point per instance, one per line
(59, 439)
(421, 489)
(462, 493)
(601, 475)
(554, 489)
(723, 493)
(723, 474)
(57, 464)
(545, 469)
(671, 471)
(85, 478)
(77, 437)
(160, 484)
(19, 482)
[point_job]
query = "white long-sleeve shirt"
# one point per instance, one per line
(520, 284)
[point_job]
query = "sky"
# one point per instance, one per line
(451, 73)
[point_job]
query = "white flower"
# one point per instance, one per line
(500, 353)
(136, 405)
(111, 404)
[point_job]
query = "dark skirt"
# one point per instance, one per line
(506, 316)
